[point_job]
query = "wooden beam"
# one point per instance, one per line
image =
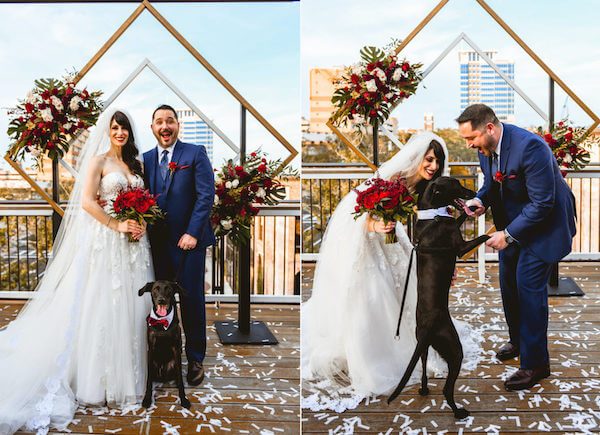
(220, 78)
(34, 185)
(539, 61)
(472, 251)
(110, 42)
(350, 145)
(422, 24)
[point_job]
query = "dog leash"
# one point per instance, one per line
(180, 267)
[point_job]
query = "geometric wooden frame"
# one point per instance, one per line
(145, 5)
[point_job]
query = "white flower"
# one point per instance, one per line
(226, 224)
(216, 201)
(356, 68)
(228, 184)
(389, 95)
(31, 98)
(46, 115)
(35, 152)
(380, 74)
(261, 193)
(358, 119)
(74, 104)
(67, 126)
(371, 85)
(235, 183)
(567, 158)
(56, 102)
(397, 74)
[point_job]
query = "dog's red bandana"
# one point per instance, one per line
(163, 322)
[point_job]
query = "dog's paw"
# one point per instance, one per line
(185, 403)
(424, 391)
(147, 402)
(461, 413)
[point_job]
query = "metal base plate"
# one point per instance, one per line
(566, 287)
(259, 333)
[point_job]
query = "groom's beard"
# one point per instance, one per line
(166, 140)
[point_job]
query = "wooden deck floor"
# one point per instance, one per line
(247, 389)
(567, 402)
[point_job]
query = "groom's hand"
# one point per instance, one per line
(497, 241)
(480, 208)
(187, 242)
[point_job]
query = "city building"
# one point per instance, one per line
(428, 121)
(194, 130)
(479, 83)
(322, 82)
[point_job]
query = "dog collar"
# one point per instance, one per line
(157, 320)
(431, 213)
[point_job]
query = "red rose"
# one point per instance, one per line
(574, 150)
(562, 154)
(370, 202)
(548, 137)
(80, 124)
(268, 183)
(239, 170)
(253, 155)
(355, 79)
(254, 187)
(262, 168)
(564, 173)
(405, 66)
(560, 124)
(54, 91)
(370, 66)
(357, 209)
(569, 137)
(499, 177)
(46, 95)
(172, 166)
(42, 106)
(29, 107)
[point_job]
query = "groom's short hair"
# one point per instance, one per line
(479, 115)
(164, 107)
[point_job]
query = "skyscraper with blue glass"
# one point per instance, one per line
(194, 130)
(479, 83)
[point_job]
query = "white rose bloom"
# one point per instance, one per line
(389, 95)
(47, 115)
(31, 98)
(216, 201)
(56, 102)
(67, 126)
(371, 86)
(380, 74)
(397, 74)
(235, 183)
(228, 184)
(226, 224)
(261, 193)
(35, 152)
(356, 68)
(567, 158)
(74, 104)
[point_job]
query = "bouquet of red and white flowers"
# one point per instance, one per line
(370, 89)
(52, 111)
(240, 186)
(137, 204)
(387, 200)
(567, 146)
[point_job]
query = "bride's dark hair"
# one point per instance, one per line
(438, 151)
(129, 150)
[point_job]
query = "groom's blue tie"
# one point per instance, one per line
(494, 164)
(164, 164)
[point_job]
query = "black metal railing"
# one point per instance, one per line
(26, 243)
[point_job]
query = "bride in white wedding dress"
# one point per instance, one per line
(349, 348)
(81, 339)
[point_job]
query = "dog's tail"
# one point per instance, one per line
(421, 346)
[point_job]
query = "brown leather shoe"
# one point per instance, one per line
(507, 351)
(195, 374)
(527, 378)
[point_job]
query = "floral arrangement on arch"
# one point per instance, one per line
(51, 113)
(566, 143)
(238, 188)
(371, 88)
(386, 200)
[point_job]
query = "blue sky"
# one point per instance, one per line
(565, 36)
(254, 46)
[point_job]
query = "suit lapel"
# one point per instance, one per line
(504, 150)
(151, 168)
(177, 150)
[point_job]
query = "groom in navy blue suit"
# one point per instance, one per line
(533, 211)
(182, 175)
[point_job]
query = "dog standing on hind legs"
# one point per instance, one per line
(439, 242)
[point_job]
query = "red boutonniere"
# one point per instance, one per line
(500, 177)
(174, 167)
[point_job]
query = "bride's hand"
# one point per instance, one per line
(129, 226)
(379, 226)
(139, 234)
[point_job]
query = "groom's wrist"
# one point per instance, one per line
(509, 239)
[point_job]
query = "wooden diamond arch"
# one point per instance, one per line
(513, 35)
(145, 5)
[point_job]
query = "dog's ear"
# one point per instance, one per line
(146, 288)
(179, 288)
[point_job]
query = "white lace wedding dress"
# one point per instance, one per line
(349, 348)
(82, 342)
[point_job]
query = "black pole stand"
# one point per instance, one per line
(244, 331)
(563, 285)
(376, 144)
(56, 218)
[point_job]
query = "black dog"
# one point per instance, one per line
(164, 339)
(439, 242)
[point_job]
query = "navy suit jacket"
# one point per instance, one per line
(537, 200)
(188, 194)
